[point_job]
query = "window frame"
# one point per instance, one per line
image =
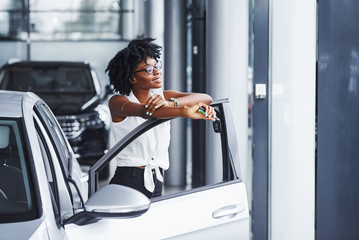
(54, 192)
(64, 172)
(230, 173)
(42, 110)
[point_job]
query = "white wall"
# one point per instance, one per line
(227, 64)
(293, 82)
(10, 50)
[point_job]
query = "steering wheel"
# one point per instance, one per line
(2, 194)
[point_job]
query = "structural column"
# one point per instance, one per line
(227, 63)
(175, 79)
(127, 18)
(154, 19)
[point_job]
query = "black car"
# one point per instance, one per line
(75, 95)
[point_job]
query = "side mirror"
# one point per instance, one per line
(112, 201)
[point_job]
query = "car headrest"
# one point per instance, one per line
(4, 136)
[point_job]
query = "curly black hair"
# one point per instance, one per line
(121, 67)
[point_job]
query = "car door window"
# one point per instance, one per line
(219, 166)
(17, 202)
(212, 172)
(57, 136)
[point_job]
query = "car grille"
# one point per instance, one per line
(74, 125)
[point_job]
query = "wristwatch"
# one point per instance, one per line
(174, 100)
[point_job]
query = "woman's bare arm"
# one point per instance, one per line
(188, 99)
(188, 112)
(188, 103)
(183, 99)
(121, 107)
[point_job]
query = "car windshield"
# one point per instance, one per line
(47, 79)
(16, 195)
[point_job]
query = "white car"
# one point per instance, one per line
(44, 194)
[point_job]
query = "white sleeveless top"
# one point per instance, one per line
(149, 150)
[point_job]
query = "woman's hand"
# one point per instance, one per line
(155, 102)
(200, 111)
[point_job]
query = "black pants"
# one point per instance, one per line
(133, 177)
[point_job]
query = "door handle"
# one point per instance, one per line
(228, 211)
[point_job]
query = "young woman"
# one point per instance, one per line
(135, 73)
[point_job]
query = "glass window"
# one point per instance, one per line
(47, 80)
(12, 20)
(75, 25)
(213, 169)
(67, 20)
(16, 195)
(11, 4)
(55, 177)
(217, 169)
(74, 19)
(46, 5)
(57, 135)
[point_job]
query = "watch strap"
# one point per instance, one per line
(174, 100)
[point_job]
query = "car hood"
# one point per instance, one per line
(35, 229)
(69, 103)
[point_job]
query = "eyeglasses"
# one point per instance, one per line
(150, 69)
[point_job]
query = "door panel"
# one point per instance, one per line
(187, 215)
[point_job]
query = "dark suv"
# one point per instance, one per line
(74, 94)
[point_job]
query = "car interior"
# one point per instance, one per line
(12, 185)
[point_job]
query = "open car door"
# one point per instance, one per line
(216, 210)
